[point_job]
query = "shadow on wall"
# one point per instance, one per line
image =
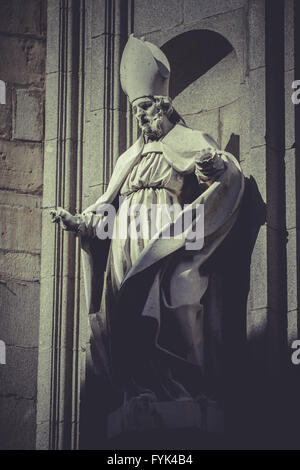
(205, 85)
(184, 50)
(231, 264)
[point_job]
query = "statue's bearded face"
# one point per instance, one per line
(149, 116)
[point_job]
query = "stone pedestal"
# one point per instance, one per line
(143, 415)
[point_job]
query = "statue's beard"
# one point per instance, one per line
(152, 128)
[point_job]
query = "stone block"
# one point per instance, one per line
(19, 266)
(255, 165)
(292, 327)
(257, 332)
(45, 379)
(245, 117)
(259, 282)
(42, 434)
(218, 87)
(51, 106)
(49, 184)
(3, 99)
(275, 175)
(46, 312)
(257, 323)
(48, 248)
(230, 25)
(198, 9)
(28, 115)
(118, 126)
(276, 277)
(66, 363)
(230, 122)
(5, 122)
(94, 171)
(53, 16)
(257, 107)
(18, 432)
(20, 228)
(19, 320)
(289, 53)
(98, 85)
(207, 121)
(19, 17)
(88, 25)
(154, 14)
(98, 167)
(24, 60)
(10, 198)
(18, 375)
(290, 109)
(290, 188)
(97, 17)
(5, 115)
(92, 194)
(292, 275)
(21, 166)
(87, 82)
(256, 25)
(44, 384)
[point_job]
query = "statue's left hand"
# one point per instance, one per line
(209, 165)
(65, 220)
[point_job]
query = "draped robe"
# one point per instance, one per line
(149, 327)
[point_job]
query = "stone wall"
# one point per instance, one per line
(242, 100)
(22, 52)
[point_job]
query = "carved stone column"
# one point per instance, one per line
(61, 319)
(108, 131)
(86, 130)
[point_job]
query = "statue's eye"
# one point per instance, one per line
(146, 105)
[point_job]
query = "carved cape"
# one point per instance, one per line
(183, 148)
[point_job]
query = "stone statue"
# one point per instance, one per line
(145, 289)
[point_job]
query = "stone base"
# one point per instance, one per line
(171, 439)
(142, 414)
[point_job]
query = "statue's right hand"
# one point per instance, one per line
(65, 220)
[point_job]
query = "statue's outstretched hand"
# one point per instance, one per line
(209, 165)
(65, 220)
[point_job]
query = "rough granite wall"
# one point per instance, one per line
(22, 52)
(244, 101)
(240, 96)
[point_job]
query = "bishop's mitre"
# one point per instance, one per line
(144, 70)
